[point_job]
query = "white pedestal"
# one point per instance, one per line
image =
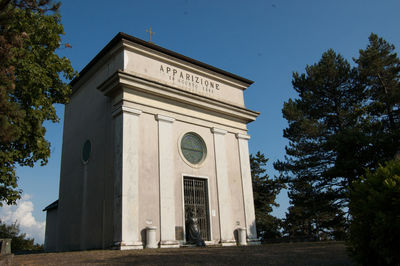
(151, 241)
(242, 236)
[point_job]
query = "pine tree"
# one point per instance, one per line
(313, 215)
(344, 122)
(265, 191)
(379, 73)
(322, 122)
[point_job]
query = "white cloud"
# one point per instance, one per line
(22, 213)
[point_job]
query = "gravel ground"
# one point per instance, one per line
(316, 253)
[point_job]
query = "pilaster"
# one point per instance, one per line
(247, 188)
(167, 192)
(126, 174)
(224, 199)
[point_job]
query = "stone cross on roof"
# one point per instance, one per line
(150, 33)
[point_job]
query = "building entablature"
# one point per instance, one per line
(127, 89)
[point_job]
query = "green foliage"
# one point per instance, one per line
(345, 120)
(375, 210)
(319, 123)
(265, 191)
(19, 241)
(379, 73)
(31, 80)
(313, 215)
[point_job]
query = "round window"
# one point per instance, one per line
(193, 148)
(87, 148)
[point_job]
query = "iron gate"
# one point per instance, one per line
(196, 200)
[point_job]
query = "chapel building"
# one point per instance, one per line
(151, 137)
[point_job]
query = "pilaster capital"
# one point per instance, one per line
(164, 118)
(126, 109)
(242, 136)
(218, 131)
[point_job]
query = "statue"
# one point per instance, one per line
(192, 230)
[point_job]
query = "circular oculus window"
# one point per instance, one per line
(193, 148)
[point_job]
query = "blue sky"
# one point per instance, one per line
(264, 41)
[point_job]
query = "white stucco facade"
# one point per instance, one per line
(134, 102)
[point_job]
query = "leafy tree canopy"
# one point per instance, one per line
(32, 80)
(375, 209)
(19, 241)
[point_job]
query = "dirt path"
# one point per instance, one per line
(319, 253)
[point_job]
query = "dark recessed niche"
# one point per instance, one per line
(86, 150)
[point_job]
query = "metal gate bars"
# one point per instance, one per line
(196, 201)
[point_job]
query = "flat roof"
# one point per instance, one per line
(120, 36)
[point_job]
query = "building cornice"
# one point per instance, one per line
(120, 80)
(123, 36)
